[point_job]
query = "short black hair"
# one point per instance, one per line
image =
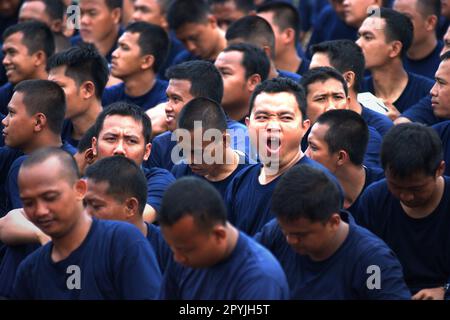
(36, 36)
(208, 111)
(398, 28)
(195, 197)
(322, 74)
(153, 40)
(254, 30)
(285, 15)
(243, 5)
(56, 9)
(164, 6)
(127, 181)
(278, 85)
(411, 148)
(429, 7)
(204, 77)
(44, 96)
(125, 109)
(344, 55)
(305, 192)
(83, 63)
(112, 4)
(347, 131)
(68, 164)
(86, 140)
(445, 56)
(182, 12)
(254, 60)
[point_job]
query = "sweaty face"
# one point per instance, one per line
(127, 58)
(49, 198)
(19, 64)
(102, 205)
(18, 124)
(373, 43)
(121, 135)
(318, 148)
(325, 96)
(97, 20)
(440, 92)
(236, 91)
(178, 94)
(276, 127)
(413, 191)
(191, 247)
(76, 105)
(198, 39)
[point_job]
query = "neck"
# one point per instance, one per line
(64, 246)
(140, 83)
(223, 171)
(334, 244)
(268, 173)
(44, 139)
(354, 104)
(105, 45)
(288, 60)
(431, 205)
(221, 44)
(40, 74)
(421, 50)
(352, 179)
(232, 239)
(140, 224)
(273, 73)
(390, 81)
(83, 122)
(237, 111)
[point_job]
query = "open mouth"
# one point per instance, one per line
(273, 144)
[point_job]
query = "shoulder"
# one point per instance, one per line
(442, 128)
(417, 80)
(155, 173)
(162, 138)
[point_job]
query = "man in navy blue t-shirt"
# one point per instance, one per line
(124, 129)
(410, 209)
(324, 254)
(277, 124)
(384, 40)
(205, 145)
(141, 50)
(443, 130)
(326, 89)
(122, 196)
(212, 260)
(338, 140)
(423, 55)
(87, 258)
(347, 57)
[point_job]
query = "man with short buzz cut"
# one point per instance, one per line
(284, 19)
(141, 51)
(338, 140)
(212, 259)
(228, 11)
(26, 49)
(423, 55)
(385, 40)
(125, 265)
(347, 57)
(197, 29)
(409, 210)
(314, 238)
(100, 25)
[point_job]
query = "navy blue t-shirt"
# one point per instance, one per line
(379, 122)
(2, 139)
(345, 274)
(115, 262)
(176, 47)
(290, 75)
(7, 157)
(158, 180)
(162, 251)
(249, 273)
(154, 96)
(427, 66)
(13, 174)
(422, 112)
(417, 88)
(182, 170)
(443, 130)
(372, 175)
(249, 202)
(6, 93)
(303, 67)
(422, 245)
(66, 133)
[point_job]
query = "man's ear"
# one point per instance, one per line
(342, 157)
(89, 156)
(350, 78)
(253, 81)
(131, 207)
(148, 149)
(116, 15)
(219, 232)
(94, 146)
(39, 58)
(40, 122)
(212, 21)
(80, 188)
(441, 169)
(397, 48)
(147, 61)
(87, 89)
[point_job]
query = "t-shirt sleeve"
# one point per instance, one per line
(22, 283)
(263, 287)
(169, 286)
(13, 186)
(157, 185)
(421, 112)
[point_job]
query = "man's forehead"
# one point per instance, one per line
(121, 123)
(329, 85)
